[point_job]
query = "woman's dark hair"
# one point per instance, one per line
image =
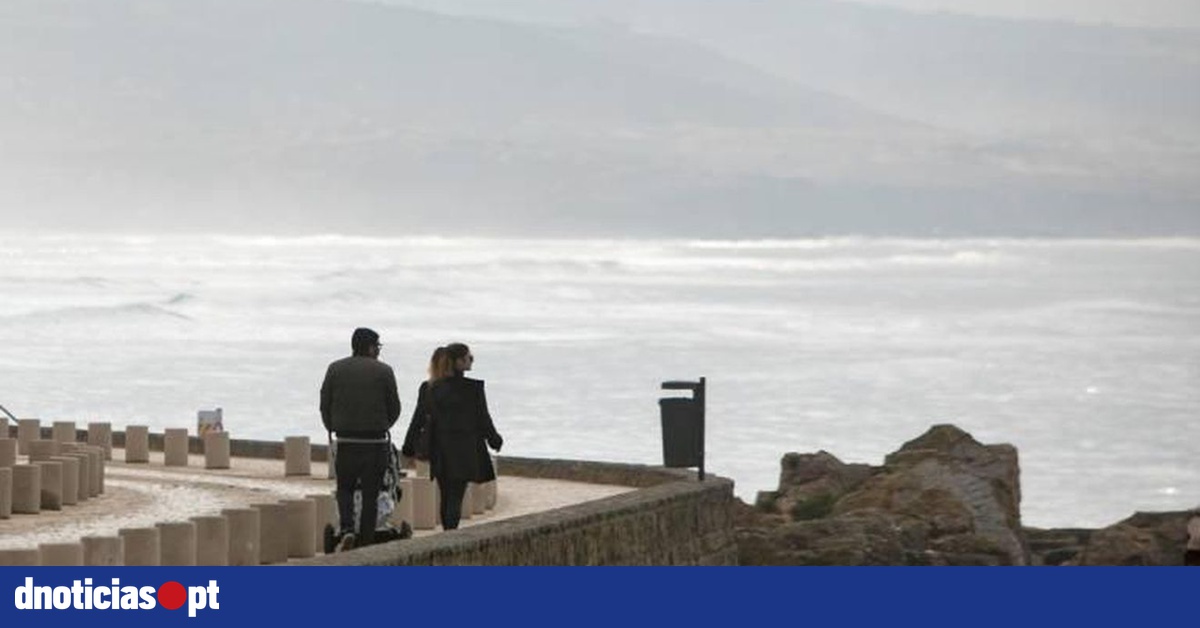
(456, 351)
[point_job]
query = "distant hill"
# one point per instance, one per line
(332, 115)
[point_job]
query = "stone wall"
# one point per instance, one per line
(672, 519)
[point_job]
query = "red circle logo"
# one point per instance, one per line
(171, 595)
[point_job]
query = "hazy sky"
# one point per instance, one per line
(1184, 13)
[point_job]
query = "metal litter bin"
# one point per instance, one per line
(683, 426)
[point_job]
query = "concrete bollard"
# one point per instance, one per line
(479, 503)
(5, 493)
(490, 490)
(244, 534)
(84, 481)
(21, 557)
(141, 547)
(272, 533)
(177, 543)
(52, 484)
(297, 458)
(212, 540)
(63, 432)
(26, 489)
(100, 435)
(103, 551)
(326, 507)
(404, 510)
(422, 469)
(43, 449)
(425, 506)
(70, 479)
(175, 447)
(27, 430)
(137, 443)
(216, 450)
(301, 527)
(8, 452)
(61, 554)
(95, 469)
(468, 502)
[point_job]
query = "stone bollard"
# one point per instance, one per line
(8, 452)
(137, 443)
(422, 469)
(26, 489)
(216, 450)
(142, 547)
(52, 484)
(326, 507)
(297, 456)
(425, 507)
(84, 481)
(244, 534)
(489, 489)
(175, 447)
(301, 527)
(5, 493)
(479, 504)
(21, 558)
(177, 543)
(95, 458)
(61, 554)
(43, 449)
(272, 533)
(63, 432)
(467, 507)
(70, 479)
(404, 510)
(103, 551)
(100, 435)
(27, 430)
(212, 540)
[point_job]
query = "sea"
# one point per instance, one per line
(1084, 354)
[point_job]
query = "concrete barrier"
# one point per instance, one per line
(175, 447)
(43, 449)
(3, 427)
(70, 479)
(297, 456)
(103, 551)
(273, 533)
(8, 452)
(29, 557)
(27, 430)
(491, 489)
(244, 536)
(137, 443)
(63, 432)
(84, 481)
(52, 484)
(478, 499)
(326, 507)
(301, 527)
(404, 510)
(26, 489)
(212, 540)
(61, 554)
(216, 450)
(5, 492)
(177, 543)
(100, 435)
(425, 503)
(142, 547)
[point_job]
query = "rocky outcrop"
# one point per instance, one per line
(1146, 538)
(941, 499)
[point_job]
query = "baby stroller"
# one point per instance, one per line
(390, 493)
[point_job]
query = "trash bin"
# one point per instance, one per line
(682, 432)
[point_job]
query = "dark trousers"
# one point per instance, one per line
(1191, 558)
(360, 465)
(452, 492)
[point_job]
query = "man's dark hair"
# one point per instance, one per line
(362, 341)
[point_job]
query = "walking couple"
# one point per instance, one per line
(360, 404)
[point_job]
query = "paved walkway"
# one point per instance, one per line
(140, 495)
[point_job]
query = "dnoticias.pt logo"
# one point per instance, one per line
(85, 596)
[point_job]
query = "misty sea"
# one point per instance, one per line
(1084, 354)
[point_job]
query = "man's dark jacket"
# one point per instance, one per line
(359, 398)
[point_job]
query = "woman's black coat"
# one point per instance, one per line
(462, 431)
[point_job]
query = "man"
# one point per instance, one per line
(359, 403)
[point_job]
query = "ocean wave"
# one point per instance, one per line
(100, 312)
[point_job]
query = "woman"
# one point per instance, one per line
(461, 431)
(416, 439)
